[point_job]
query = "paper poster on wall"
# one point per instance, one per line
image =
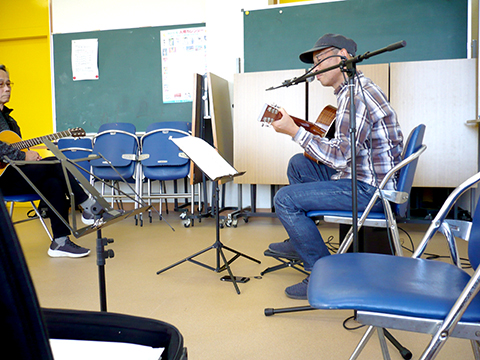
(85, 59)
(184, 53)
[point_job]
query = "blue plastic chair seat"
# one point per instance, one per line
(345, 214)
(431, 289)
(22, 197)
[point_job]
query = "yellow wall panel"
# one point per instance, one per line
(24, 18)
(28, 62)
(25, 50)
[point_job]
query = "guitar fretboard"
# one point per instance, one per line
(40, 140)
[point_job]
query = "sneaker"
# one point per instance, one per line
(89, 208)
(88, 219)
(284, 249)
(69, 249)
(298, 291)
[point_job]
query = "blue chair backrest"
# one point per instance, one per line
(474, 240)
(112, 142)
(166, 161)
(77, 148)
(407, 173)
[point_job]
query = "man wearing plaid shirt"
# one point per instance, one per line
(325, 184)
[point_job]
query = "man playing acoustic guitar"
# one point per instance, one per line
(48, 178)
(326, 184)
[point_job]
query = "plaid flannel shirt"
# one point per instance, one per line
(378, 136)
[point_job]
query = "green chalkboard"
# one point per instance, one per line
(129, 88)
(433, 29)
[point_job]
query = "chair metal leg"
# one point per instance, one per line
(12, 204)
(42, 221)
(383, 343)
(37, 212)
(392, 226)
(363, 341)
(476, 349)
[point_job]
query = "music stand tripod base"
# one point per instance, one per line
(220, 255)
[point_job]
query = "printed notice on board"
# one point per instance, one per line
(85, 59)
(184, 53)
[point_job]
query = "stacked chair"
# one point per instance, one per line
(117, 145)
(161, 160)
(75, 149)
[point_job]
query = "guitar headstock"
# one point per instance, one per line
(77, 132)
(269, 114)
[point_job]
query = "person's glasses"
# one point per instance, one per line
(321, 57)
(5, 83)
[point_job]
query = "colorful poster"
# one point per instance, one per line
(184, 53)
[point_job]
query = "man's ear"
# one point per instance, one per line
(344, 52)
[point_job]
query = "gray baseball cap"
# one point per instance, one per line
(329, 40)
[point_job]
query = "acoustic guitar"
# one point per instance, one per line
(16, 141)
(323, 126)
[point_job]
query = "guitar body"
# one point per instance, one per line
(8, 137)
(322, 127)
(14, 140)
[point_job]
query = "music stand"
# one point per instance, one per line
(216, 168)
(99, 223)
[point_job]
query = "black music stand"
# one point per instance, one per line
(99, 222)
(217, 169)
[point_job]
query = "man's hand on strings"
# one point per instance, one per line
(285, 125)
(32, 156)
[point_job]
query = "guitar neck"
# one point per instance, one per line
(40, 140)
(310, 127)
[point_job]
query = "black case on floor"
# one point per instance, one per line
(28, 328)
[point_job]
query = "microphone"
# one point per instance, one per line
(396, 45)
(300, 79)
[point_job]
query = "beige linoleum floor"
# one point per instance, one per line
(215, 321)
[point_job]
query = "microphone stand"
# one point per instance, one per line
(347, 66)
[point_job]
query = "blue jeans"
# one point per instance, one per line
(311, 188)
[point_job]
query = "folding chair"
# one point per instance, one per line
(409, 293)
(31, 198)
(394, 201)
(28, 328)
(77, 148)
(162, 160)
(117, 145)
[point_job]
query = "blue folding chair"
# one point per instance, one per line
(162, 160)
(77, 148)
(409, 293)
(31, 198)
(117, 145)
(394, 201)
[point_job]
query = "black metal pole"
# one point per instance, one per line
(351, 72)
(102, 255)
